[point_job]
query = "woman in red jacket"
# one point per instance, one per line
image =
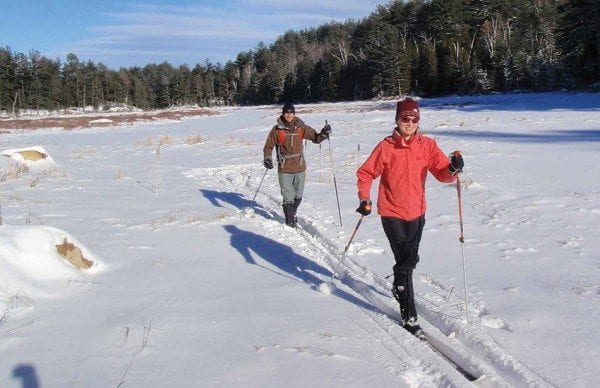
(402, 161)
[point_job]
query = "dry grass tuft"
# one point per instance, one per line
(118, 175)
(14, 171)
(53, 172)
(195, 139)
(165, 140)
(73, 255)
(236, 140)
(154, 142)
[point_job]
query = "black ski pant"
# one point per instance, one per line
(404, 238)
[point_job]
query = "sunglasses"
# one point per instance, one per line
(406, 119)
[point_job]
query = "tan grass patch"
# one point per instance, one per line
(76, 121)
(32, 155)
(73, 255)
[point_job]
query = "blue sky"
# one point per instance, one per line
(129, 33)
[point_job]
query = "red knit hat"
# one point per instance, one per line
(407, 107)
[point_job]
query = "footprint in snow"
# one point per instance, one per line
(494, 322)
(306, 350)
(586, 290)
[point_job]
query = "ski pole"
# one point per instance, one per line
(260, 184)
(353, 233)
(460, 212)
(462, 243)
(348, 245)
(337, 197)
(320, 164)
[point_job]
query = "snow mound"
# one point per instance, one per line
(31, 256)
(327, 288)
(31, 156)
(248, 212)
(494, 322)
(101, 121)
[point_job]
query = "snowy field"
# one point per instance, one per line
(193, 283)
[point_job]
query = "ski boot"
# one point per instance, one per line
(413, 328)
(290, 215)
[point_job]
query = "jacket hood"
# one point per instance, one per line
(282, 124)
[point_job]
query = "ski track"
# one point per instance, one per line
(468, 346)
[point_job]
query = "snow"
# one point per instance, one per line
(101, 121)
(194, 283)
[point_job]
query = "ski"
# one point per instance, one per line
(416, 331)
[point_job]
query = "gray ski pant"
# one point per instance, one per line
(292, 186)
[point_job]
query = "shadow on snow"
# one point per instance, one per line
(555, 136)
(516, 102)
(292, 265)
(217, 198)
(27, 374)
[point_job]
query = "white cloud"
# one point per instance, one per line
(174, 32)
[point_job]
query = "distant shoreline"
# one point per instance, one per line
(88, 120)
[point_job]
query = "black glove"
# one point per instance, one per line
(364, 208)
(321, 137)
(456, 162)
(324, 134)
(268, 163)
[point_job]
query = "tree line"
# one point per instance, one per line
(421, 47)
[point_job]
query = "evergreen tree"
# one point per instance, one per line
(181, 86)
(22, 83)
(122, 85)
(245, 71)
(7, 78)
(139, 92)
(71, 82)
(390, 57)
(426, 71)
(579, 38)
(46, 82)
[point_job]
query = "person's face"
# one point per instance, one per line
(288, 116)
(408, 125)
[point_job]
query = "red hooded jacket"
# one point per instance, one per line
(403, 168)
